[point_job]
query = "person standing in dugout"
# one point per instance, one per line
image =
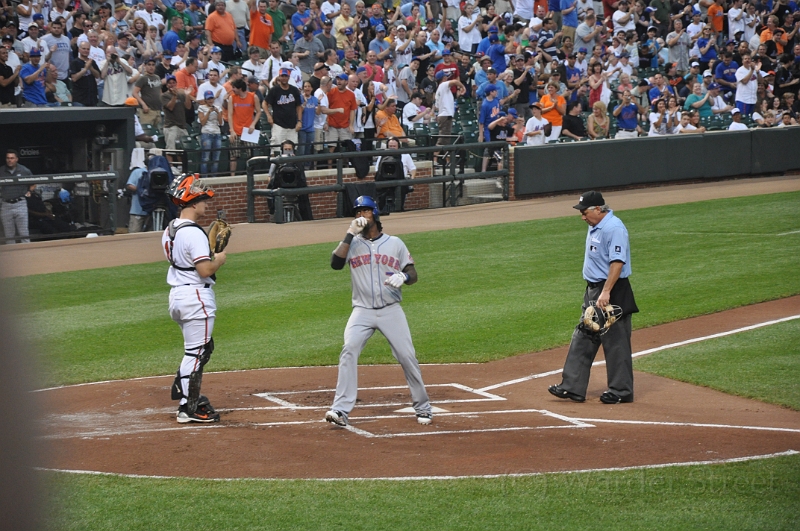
(379, 266)
(606, 268)
(192, 303)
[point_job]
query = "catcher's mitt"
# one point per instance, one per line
(219, 232)
(596, 321)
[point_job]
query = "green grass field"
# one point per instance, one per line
(484, 293)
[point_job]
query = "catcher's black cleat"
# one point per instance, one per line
(558, 392)
(612, 398)
(336, 417)
(203, 414)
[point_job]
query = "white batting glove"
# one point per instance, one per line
(396, 280)
(357, 225)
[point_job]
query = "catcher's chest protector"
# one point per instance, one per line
(172, 231)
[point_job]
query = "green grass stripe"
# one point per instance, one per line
(743, 496)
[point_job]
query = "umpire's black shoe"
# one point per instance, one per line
(557, 391)
(612, 398)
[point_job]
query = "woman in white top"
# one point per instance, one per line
(469, 34)
(658, 120)
(673, 115)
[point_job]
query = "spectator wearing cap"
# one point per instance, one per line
(718, 103)
(342, 23)
(310, 51)
(404, 46)
(413, 113)
(147, 91)
(188, 83)
(407, 81)
(449, 65)
(254, 64)
(492, 80)
(33, 80)
(283, 108)
(379, 45)
(262, 27)
(174, 103)
(525, 80)
(296, 75)
(165, 67)
(327, 38)
(84, 73)
(490, 111)
(483, 45)
(535, 126)
(445, 103)
(497, 53)
(725, 72)
(341, 123)
(679, 44)
(469, 34)
(221, 30)
(321, 70)
(120, 21)
(481, 73)
(171, 38)
(691, 77)
(736, 121)
(34, 40)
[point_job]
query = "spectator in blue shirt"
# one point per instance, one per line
(305, 136)
(379, 44)
(491, 82)
(483, 46)
(33, 77)
(497, 53)
(725, 73)
(569, 17)
(626, 114)
(300, 19)
(170, 40)
(490, 109)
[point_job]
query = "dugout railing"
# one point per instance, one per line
(98, 193)
(452, 181)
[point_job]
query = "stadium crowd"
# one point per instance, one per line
(529, 71)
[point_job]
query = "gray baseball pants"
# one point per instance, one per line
(616, 347)
(392, 323)
(15, 221)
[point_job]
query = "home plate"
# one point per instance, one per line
(434, 409)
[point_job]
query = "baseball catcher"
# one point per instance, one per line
(192, 304)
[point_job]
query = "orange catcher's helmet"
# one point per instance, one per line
(189, 189)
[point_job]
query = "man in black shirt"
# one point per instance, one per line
(8, 79)
(287, 110)
(424, 53)
(14, 209)
(84, 73)
(523, 80)
(573, 124)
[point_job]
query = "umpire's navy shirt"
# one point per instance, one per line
(606, 242)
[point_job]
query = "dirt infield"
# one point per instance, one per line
(493, 418)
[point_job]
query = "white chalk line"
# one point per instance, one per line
(689, 424)
(138, 378)
(646, 352)
(731, 460)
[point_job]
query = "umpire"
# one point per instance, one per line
(606, 268)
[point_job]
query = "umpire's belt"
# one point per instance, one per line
(628, 130)
(594, 285)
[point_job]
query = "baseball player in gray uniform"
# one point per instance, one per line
(379, 266)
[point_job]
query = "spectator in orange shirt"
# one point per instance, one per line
(262, 27)
(221, 30)
(715, 16)
(553, 109)
(340, 125)
(244, 112)
(386, 121)
(187, 82)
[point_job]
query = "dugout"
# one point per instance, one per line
(61, 140)
(554, 168)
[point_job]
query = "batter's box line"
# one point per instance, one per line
(273, 396)
(572, 423)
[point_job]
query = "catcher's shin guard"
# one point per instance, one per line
(196, 377)
(177, 388)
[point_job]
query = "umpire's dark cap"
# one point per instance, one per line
(590, 199)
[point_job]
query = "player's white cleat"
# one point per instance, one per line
(336, 417)
(424, 418)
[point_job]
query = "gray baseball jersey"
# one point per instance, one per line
(371, 263)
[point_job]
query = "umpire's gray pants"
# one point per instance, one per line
(391, 321)
(616, 347)
(15, 221)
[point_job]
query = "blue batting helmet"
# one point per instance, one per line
(365, 201)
